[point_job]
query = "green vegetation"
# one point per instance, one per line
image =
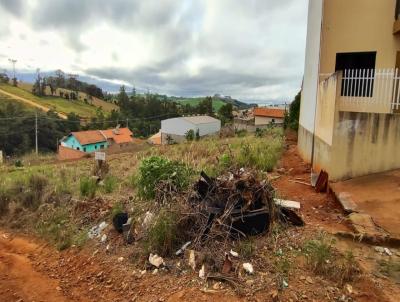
(88, 187)
(163, 233)
(110, 183)
(155, 169)
(246, 248)
(292, 118)
(194, 102)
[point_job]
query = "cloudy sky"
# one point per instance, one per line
(250, 49)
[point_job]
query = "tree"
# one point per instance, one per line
(122, 97)
(206, 106)
(225, 113)
(292, 118)
(189, 135)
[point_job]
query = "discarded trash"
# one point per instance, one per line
(183, 248)
(126, 230)
(202, 272)
(290, 204)
(120, 259)
(388, 252)
(234, 254)
(103, 238)
(248, 267)
(156, 260)
(322, 182)
(119, 220)
(227, 266)
(155, 271)
(147, 219)
(96, 230)
(285, 284)
(192, 259)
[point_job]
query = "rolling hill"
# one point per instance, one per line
(55, 103)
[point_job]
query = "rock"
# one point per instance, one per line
(248, 267)
(234, 254)
(379, 249)
(202, 272)
(309, 280)
(156, 260)
(96, 230)
(120, 259)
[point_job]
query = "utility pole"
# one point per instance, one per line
(36, 134)
(13, 61)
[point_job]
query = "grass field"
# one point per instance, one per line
(55, 103)
(217, 104)
(5, 100)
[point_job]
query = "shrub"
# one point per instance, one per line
(189, 135)
(18, 163)
(225, 160)
(110, 182)
(163, 234)
(88, 187)
(117, 208)
(154, 169)
(32, 196)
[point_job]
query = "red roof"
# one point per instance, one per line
(269, 112)
(120, 136)
(89, 137)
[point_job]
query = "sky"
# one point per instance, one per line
(252, 50)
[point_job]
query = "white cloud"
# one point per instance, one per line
(252, 50)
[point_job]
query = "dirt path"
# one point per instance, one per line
(18, 279)
(31, 103)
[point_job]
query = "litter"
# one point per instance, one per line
(322, 182)
(290, 204)
(234, 254)
(96, 230)
(248, 267)
(156, 260)
(183, 248)
(202, 272)
(119, 220)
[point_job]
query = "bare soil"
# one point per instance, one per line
(31, 270)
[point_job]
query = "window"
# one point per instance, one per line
(358, 71)
(84, 149)
(95, 147)
(77, 148)
(101, 146)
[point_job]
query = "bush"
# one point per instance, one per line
(88, 187)
(318, 253)
(110, 182)
(162, 234)
(154, 169)
(225, 160)
(189, 135)
(32, 197)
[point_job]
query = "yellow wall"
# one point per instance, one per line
(358, 25)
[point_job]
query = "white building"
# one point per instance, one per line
(176, 128)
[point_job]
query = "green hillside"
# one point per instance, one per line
(217, 103)
(5, 100)
(57, 104)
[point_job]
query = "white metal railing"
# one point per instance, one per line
(370, 90)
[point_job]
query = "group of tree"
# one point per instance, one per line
(292, 117)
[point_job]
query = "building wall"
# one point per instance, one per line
(73, 143)
(66, 153)
(179, 127)
(358, 25)
(310, 80)
(264, 120)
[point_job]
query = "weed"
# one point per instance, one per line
(283, 265)
(225, 160)
(246, 248)
(390, 268)
(154, 169)
(345, 268)
(163, 233)
(110, 182)
(117, 208)
(88, 187)
(4, 202)
(318, 253)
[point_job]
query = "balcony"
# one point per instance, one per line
(363, 90)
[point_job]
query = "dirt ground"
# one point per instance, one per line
(31, 270)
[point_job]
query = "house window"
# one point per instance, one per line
(358, 73)
(101, 146)
(273, 120)
(95, 147)
(84, 149)
(77, 148)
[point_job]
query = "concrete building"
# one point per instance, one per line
(78, 144)
(175, 129)
(267, 116)
(349, 122)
